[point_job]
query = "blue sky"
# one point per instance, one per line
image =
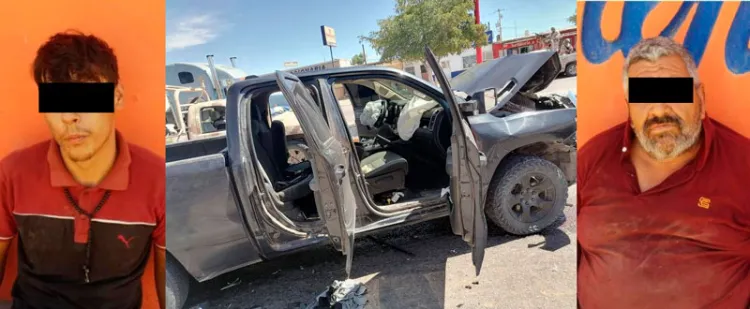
(264, 34)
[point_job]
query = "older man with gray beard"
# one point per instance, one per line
(663, 211)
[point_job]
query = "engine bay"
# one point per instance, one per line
(524, 102)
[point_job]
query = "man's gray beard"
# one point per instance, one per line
(669, 149)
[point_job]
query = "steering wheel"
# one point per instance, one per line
(381, 117)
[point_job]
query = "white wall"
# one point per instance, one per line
(455, 62)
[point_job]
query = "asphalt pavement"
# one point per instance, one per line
(531, 272)
(418, 266)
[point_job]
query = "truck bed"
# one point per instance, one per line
(195, 148)
(206, 227)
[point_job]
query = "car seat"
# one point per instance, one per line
(281, 152)
(384, 171)
(288, 187)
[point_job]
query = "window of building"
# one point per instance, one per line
(185, 77)
(422, 69)
(524, 50)
(410, 70)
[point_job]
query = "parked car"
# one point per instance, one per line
(568, 64)
(236, 201)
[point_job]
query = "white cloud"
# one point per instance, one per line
(194, 30)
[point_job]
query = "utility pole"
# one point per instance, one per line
(364, 54)
(499, 25)
(333, 64)
(476, 21)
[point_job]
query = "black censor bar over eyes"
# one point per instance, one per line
(660, 90)
(77, 98)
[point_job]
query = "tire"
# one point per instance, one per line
(505, 208)
(177, 284)
(571, 69)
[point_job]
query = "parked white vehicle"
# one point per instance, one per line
(568, 64)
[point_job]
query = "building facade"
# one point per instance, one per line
(453, 65)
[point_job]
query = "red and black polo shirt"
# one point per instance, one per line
(52, 236)
(682, 244)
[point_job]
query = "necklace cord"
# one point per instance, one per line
(89, 216)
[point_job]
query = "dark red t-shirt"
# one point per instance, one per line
(52, 236)
(682, 244)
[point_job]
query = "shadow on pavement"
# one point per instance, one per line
(554, 237)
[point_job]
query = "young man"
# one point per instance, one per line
(86, 206)
(663, 211)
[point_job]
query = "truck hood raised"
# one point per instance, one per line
(532, 72)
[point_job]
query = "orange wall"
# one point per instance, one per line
(135, 29)
(724, 66)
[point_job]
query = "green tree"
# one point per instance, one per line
(572, 19)
(446, 26)
(358, 59)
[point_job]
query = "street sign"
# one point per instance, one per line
(329, 36)
(490, 37)
(290, 64)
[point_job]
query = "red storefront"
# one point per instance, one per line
(527, 44)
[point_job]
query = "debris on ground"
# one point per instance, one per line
(236, 282)
(475, 282)
(468, 287)
(347, 294)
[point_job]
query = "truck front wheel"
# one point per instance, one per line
(526, 195)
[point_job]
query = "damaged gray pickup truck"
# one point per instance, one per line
(500, 151)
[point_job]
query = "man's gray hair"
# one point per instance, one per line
(652, 49)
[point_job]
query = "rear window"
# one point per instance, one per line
(185, 77)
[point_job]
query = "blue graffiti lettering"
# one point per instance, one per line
(736, 51)
(598, 50)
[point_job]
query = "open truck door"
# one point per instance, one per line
(330, 163)
(466, 163)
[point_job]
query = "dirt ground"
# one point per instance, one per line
(519, 272)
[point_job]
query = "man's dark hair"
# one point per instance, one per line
(72, 56)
